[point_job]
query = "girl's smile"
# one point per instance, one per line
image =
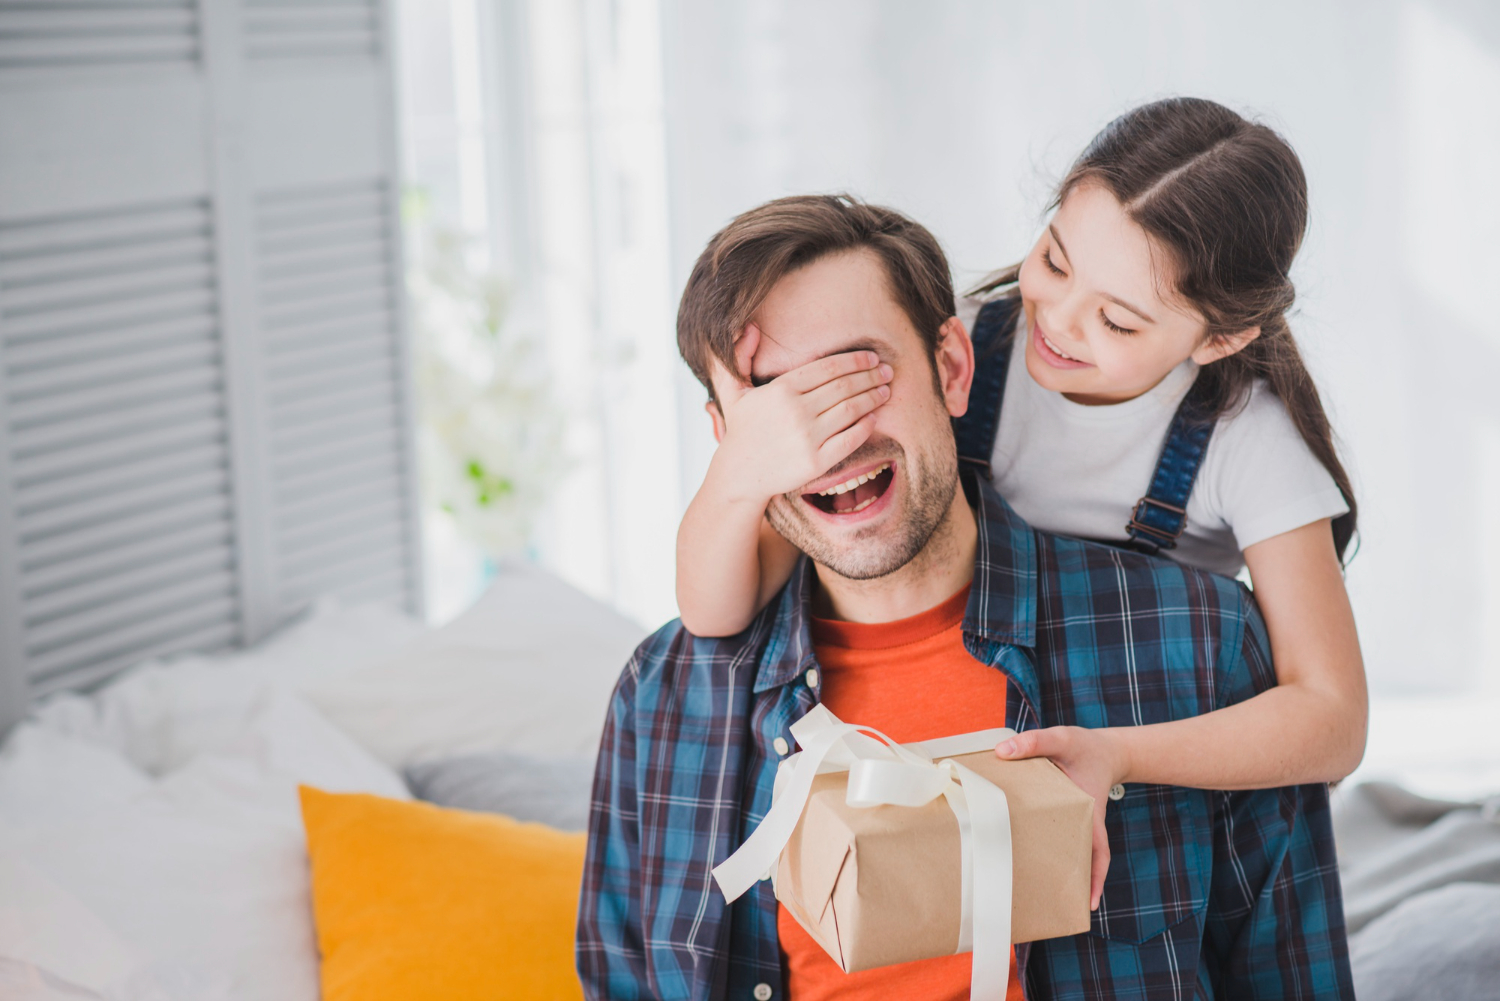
(1051, 353)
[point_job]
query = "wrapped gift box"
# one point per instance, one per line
(882, 885)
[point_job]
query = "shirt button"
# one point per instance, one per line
(762, 992)
(781, 746)
(812, 677)
(1117, 792)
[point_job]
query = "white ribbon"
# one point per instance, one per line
(885, 773)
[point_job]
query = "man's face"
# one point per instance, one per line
(838, 304)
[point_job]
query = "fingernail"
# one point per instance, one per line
(1007, 749)
(885, 370)
(871, 358)
(885, 391)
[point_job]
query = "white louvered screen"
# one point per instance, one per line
(118, 442)
(68, 34)
(332, 383)
(204, 415)
(303, 29)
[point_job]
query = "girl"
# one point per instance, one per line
(1153, 398)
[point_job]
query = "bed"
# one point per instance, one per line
(150, 841)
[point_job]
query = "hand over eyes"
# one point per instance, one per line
(802, 423)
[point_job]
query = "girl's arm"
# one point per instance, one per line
(730, 561)
(1309, 728)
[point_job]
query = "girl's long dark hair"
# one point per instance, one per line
(1226, 198)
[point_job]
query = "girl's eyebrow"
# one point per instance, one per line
(1060, 245)
(1122, 303)
(1112, 298)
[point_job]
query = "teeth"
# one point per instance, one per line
(848, 485)
(1059, 351)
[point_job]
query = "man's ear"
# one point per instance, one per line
(717, 416)
(954, 365)
(1225, 345)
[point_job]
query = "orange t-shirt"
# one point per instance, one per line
(913, 680)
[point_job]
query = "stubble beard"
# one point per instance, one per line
(927, 483)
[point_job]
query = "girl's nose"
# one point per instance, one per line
(1066, 321)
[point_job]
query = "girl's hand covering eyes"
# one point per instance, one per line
(793, 429)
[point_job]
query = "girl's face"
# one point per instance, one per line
(1105, 324)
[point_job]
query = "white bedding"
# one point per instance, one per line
(151, 845)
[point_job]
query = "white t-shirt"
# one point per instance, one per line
(1080, 470)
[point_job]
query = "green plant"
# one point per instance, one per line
(490, 432)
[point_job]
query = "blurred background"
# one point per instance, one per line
(591, 148)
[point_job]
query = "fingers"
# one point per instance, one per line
(728, 387)
(840, 446)
(1044, 743)
(1100, 867)
(842, 415)
(744, 350)
(815, 373)
(830, 394)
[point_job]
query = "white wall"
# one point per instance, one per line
(963, 113)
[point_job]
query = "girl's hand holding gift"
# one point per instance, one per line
(1096, 763)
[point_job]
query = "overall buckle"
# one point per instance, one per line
(1169, 538)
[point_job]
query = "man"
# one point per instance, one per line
(929, 608)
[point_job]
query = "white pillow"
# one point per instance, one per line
(198, 879)
(162, 715)
(529, 668)
(48, 777)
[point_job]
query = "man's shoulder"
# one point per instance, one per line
(673, 656)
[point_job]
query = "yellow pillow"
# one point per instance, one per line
(417, 901)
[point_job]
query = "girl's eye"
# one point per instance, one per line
(1115, 326)
(1047, 260)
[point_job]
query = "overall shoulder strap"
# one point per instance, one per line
(975, 430)
(1161, 515)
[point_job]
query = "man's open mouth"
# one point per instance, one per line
(854, 494)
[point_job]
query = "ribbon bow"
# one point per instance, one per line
(885, 773)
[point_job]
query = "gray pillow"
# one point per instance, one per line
(1444, 944)
(551, 791)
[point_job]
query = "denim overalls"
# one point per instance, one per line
(1161, 515)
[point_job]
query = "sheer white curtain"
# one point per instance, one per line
(964, 113)
(537, 126)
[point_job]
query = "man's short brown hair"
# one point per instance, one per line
(748, 257)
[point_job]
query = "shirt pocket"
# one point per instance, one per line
(1161, 861)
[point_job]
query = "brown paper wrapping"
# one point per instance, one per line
(881, 885)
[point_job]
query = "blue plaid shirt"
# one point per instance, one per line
(1209, 894)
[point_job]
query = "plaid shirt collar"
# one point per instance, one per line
(1002, 599)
